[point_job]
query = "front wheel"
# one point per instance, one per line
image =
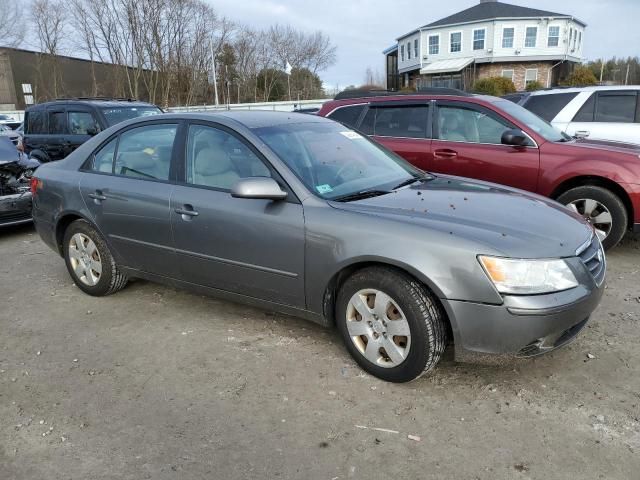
(89, 261)
(391, 324)
(601, 208)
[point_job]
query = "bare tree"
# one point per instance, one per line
(11, 24)
(48, 18)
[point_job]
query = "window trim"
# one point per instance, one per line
(181, 177)
(513, 38)
(479, 108)
(429, 37)
(473, 39)
(549, 36)
(535, 39)
(461, 41)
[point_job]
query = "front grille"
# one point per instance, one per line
(592, 255)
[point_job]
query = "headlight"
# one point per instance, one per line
(528, 276)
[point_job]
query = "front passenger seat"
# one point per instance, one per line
(213, 168)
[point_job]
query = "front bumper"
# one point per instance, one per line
(15, 209)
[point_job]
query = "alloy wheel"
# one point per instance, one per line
(378, 328)
(85, 259)
(595, 213)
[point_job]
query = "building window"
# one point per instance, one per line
(478, 39)
(402, 53)
(434, 44)
(415, 48)
(531, 37)
(409, 51)
(554, 37)
(575, 38)
(579, 40)
(530, 76)
(455, 42)
(507, 37)
(508, 74)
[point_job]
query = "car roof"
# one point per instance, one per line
(109, 103)
(249, 118)
(593, 88)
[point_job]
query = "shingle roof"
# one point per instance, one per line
(489, 10)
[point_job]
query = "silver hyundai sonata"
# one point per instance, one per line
(301, 215)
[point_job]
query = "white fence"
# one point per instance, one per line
(18, 115)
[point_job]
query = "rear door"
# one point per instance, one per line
(55, 142)
(36, 133)
(608, 115)
(251, 247)
(468, 142)
(126, 187)
(402, 127)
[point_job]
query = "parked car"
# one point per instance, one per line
(12, 135)
(9, 121)
(15, 174)
(55, 129)
(493, 139)
(597, 113)
(299, 214)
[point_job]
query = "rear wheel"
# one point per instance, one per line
(391, 324)
(601, 208)
(89, 260)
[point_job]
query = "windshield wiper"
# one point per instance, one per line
(411, 180)
(360, 195)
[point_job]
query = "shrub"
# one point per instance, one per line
(581, 76)
(533, 86)
(496, 86)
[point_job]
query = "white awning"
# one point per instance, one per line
(446, 66)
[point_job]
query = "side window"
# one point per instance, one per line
(548, 106)
(616, 107)
(459, 124)
(83, 123)
(585, 114)
(218, 159)
(36, 122)
(347, 115)
(409, 122)
(57, 122)
(145, 152)
(103, 159)
(369, 120)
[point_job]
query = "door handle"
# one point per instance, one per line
(98, 197)
(445, 153)
(582, 133)
(187, 212)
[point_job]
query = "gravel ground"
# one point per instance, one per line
(158, 383)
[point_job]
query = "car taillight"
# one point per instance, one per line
(35, 185)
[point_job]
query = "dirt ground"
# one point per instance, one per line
(163, 384)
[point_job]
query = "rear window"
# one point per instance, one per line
(120, 114)
(548, 106)
(37, 122)
(347, 115)
(616, 107)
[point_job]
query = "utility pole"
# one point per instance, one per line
(213, 72)
(601, 69)
(626, 78)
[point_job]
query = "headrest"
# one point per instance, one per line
(137, 160)
(212, 161)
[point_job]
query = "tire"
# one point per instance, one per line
(110, 279)
(610, 201)
(408, 300)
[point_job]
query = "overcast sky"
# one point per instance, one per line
(361, 29)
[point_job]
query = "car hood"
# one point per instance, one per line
(505, 221)
(608, 145)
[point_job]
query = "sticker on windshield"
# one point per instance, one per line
(324, 188)
(351, 135)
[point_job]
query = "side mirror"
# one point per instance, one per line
(92, 131)
(515, 138)
(258, 187)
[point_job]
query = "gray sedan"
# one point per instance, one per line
(301, 215)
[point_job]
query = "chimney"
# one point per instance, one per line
(487, 1)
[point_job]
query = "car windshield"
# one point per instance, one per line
(532, 121)
(120, 114)
(335, 162)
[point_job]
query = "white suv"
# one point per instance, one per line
(597, 113)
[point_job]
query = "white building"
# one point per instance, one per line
(489, 39)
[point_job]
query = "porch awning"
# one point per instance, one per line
(446, 66)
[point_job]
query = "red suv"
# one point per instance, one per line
(493, 139)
